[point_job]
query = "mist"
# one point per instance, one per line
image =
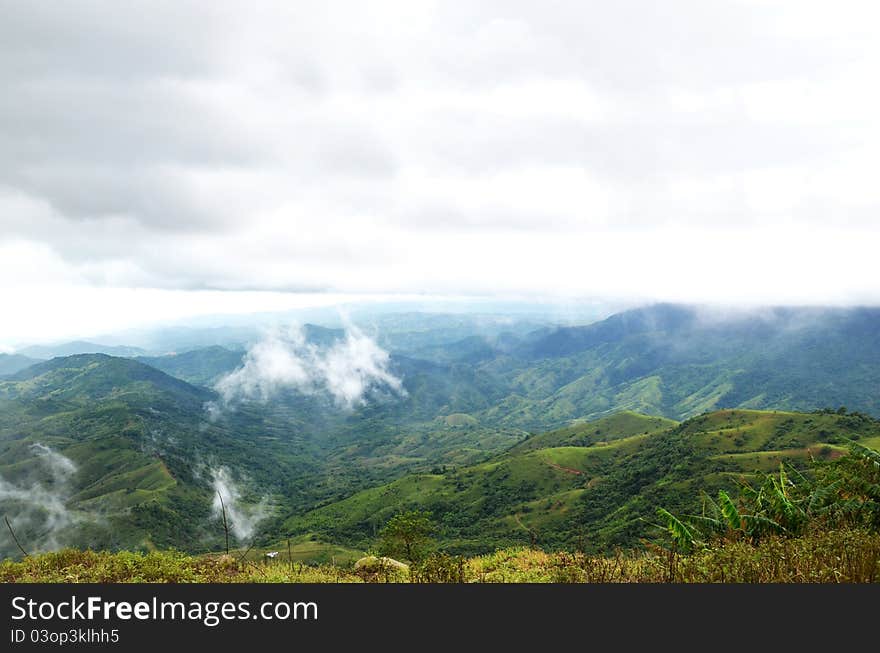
(38, 503)
(346, 371)
(242, 518)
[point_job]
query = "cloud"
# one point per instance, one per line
(242, 518)
(39, 500)
(347, 370)
(323, 145)
(60, 466)
(273, 363)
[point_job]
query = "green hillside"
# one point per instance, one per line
(568, 486)
(665, 360)
(680, 361)
(107, 452)
(199, 366)
(554, 436)
(143, 445)
(624, 424)
(487, 391)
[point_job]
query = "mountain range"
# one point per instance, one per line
(506, 431)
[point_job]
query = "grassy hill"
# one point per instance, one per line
(555, 436)
(569, 486)
(818, 525)
(624, 424)
(470, 398)
(108, 452)
(96, 377)
(143, 449)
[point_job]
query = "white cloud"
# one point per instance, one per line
(272, 363)
(346, 370)
(340, 147)
(350, 368)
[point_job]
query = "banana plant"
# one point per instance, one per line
(845, 491)
(684, 537)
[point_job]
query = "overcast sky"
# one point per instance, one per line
(156, 154)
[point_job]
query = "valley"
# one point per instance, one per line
(506, 432)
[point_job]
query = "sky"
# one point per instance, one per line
(160, 160)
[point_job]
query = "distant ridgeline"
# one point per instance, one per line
(556, 436)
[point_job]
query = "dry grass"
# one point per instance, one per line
(828, 557)
(841, 556)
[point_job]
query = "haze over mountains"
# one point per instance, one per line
(439, 411)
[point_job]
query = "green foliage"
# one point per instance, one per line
(473, 398)
(847, 490)
(729, 511)
(620, 425)
(408, 533)
(440, 567)
(133, 434)
(682, 535)
(603, 493)
(844, 493)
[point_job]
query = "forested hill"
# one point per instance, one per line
(143, 452)
(679, 361)
(595, 485)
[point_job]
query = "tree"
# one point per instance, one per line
(408, 533)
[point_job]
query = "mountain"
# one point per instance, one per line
(470, 398)
(666, 360)
(198, 366)
(439, 337)
(91, 378)
(12, 363)
(205, 365)
(680, 361)
(79, 347)
(107, 452)
(180, 339)
(145, 450)
(503, 433)
(568, 488)
(321, 336)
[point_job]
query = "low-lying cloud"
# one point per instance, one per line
(241, 517)
(347, 371)
(38, 503)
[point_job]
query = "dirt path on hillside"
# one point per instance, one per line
(566, 469)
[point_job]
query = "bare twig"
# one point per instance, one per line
(251, 564)
(17, 543)
(225, 523)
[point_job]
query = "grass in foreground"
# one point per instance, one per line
(841, 556)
